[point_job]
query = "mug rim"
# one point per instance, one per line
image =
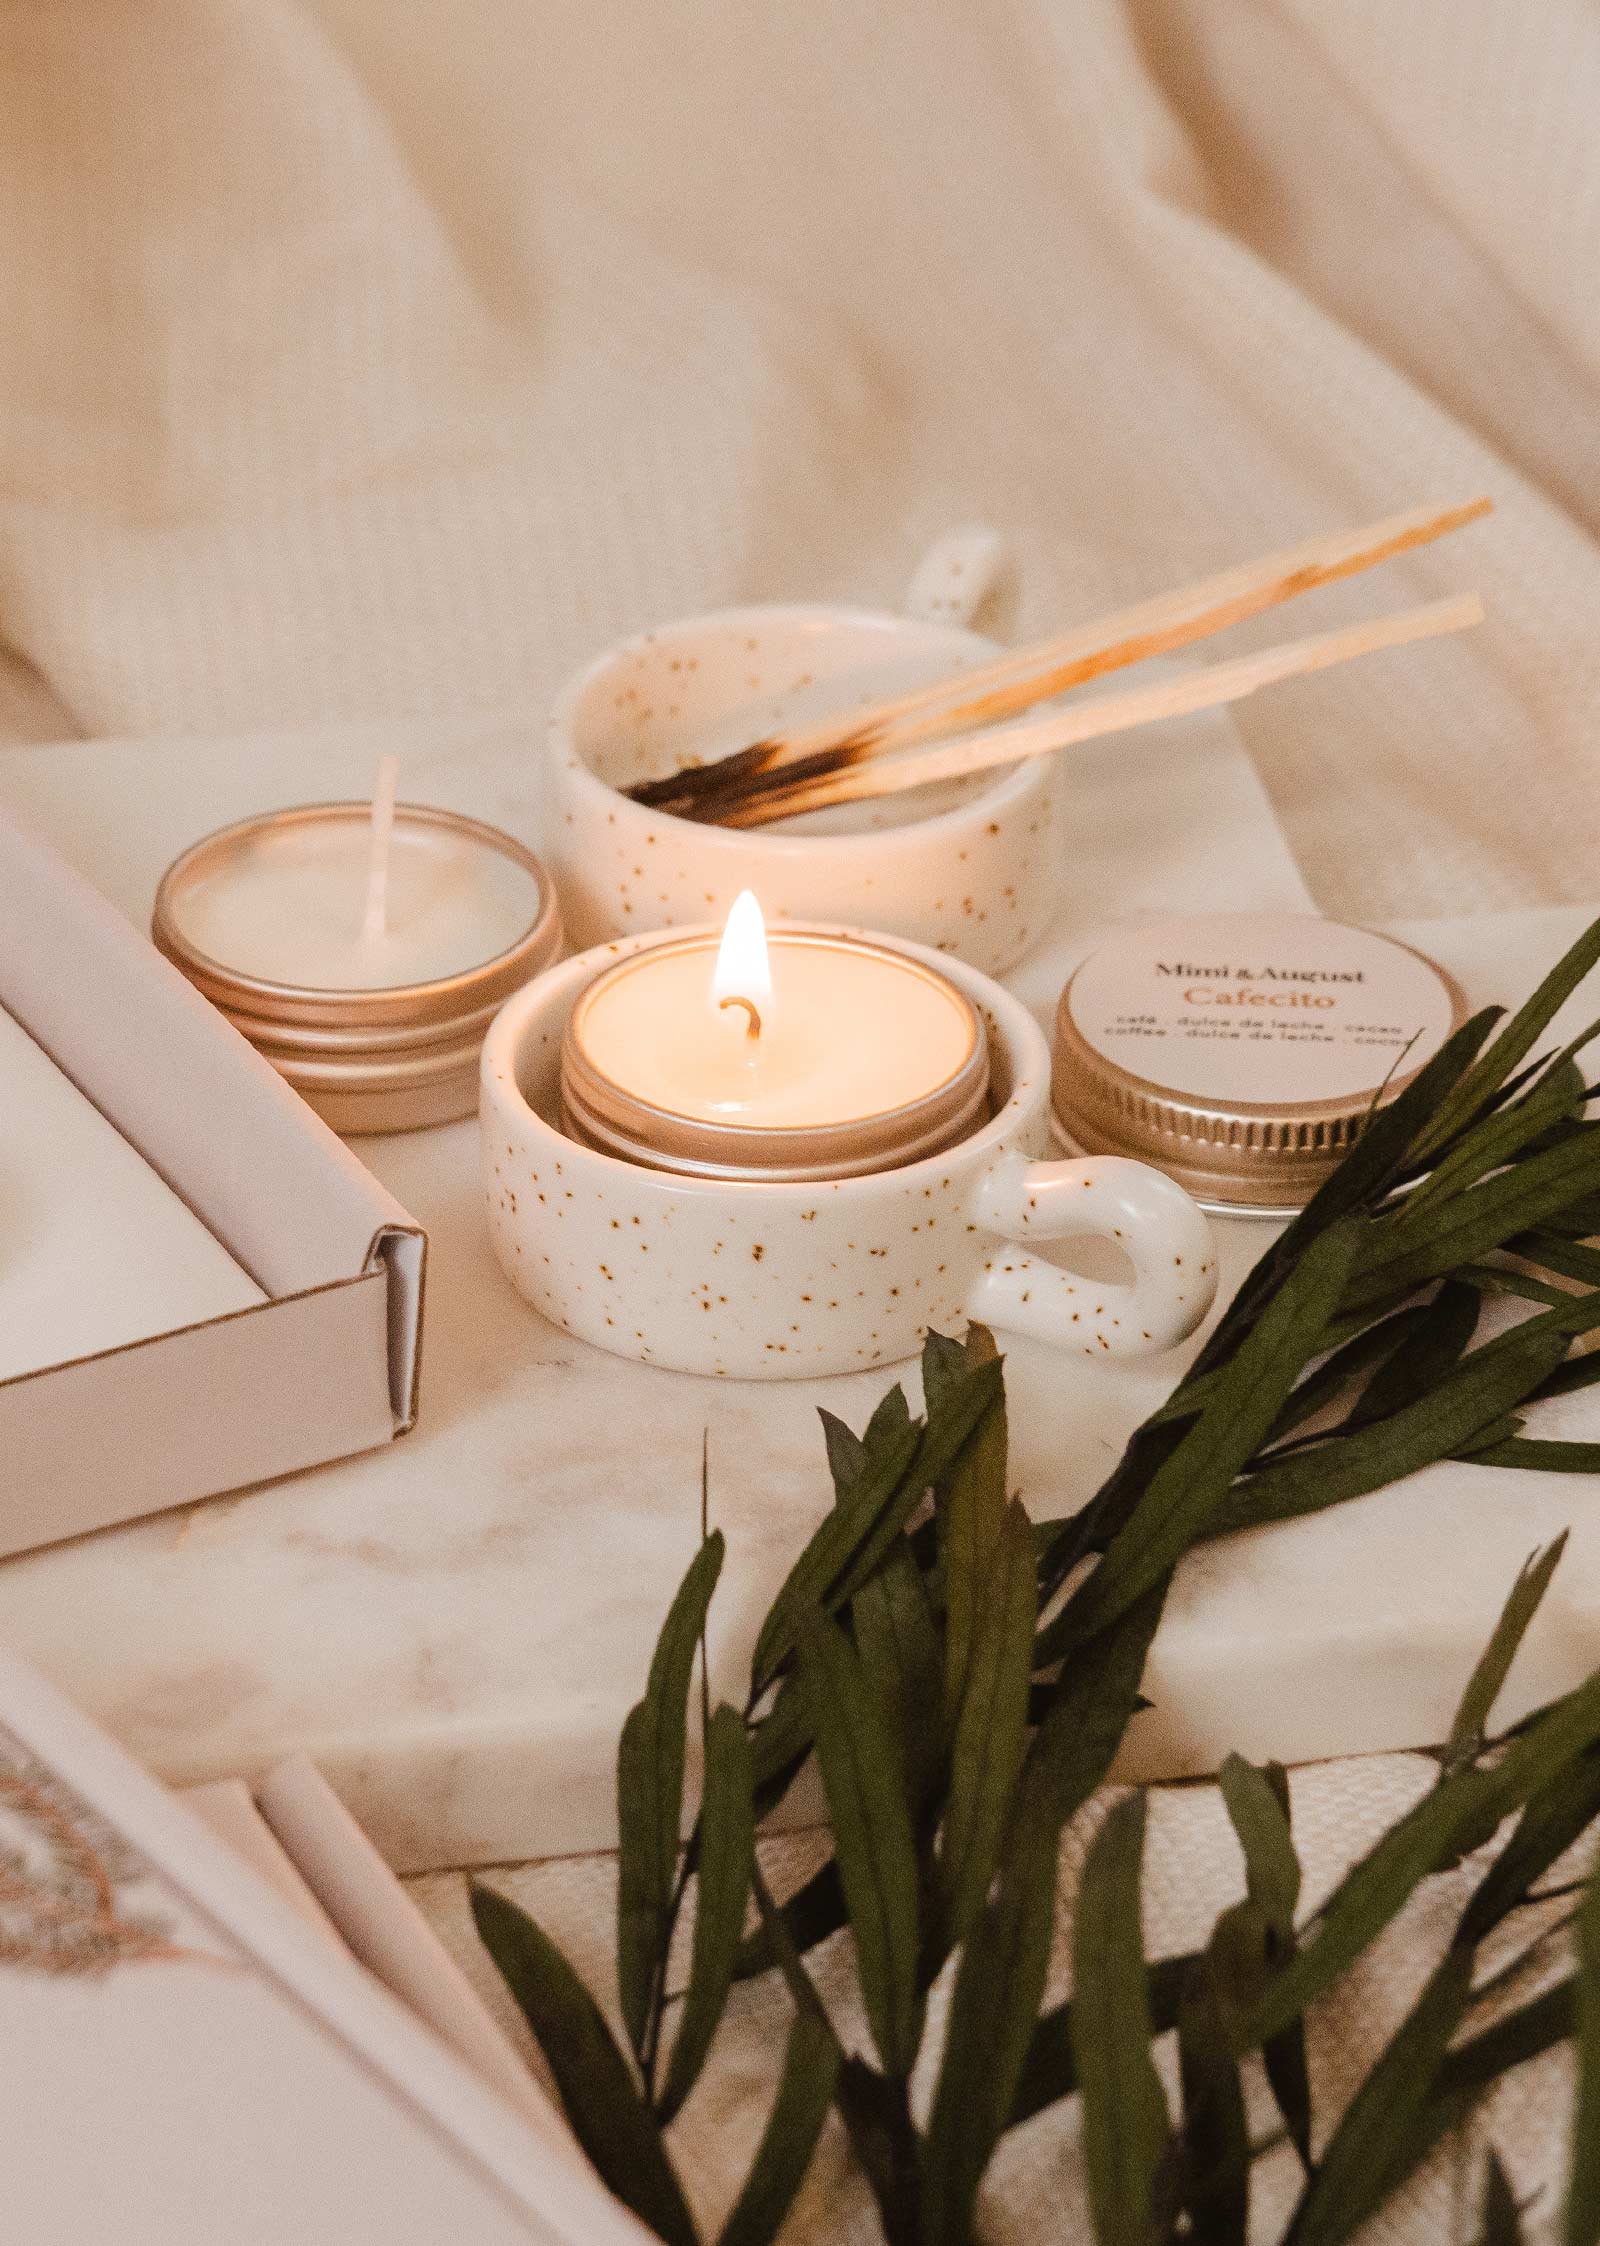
(1011, 789)
(1030, 1073)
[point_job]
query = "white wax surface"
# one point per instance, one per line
(846, 1034)
(95, 1250)
(287, 905)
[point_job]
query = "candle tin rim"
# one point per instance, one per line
(604, 1116)
(357, 1110)
(443, 998)
(1253, 1157)
(388, 1041)
(309, 1072)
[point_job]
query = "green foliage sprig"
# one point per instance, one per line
(965, 1676)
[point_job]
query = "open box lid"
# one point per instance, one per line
(327, 1365)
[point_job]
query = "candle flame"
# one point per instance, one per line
(744, 969)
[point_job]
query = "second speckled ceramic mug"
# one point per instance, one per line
(970, 869)
(764, 1281)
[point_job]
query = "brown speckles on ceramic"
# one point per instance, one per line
(971, 871)
(778, 1281)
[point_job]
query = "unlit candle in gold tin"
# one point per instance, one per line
(1241, 1052)
(377, 1032)
(650, 1070)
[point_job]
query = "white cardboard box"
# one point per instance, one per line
(324, 1365)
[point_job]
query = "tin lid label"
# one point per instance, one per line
(1260, 1009)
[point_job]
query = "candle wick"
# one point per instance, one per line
(375, 920)
(749, 1006)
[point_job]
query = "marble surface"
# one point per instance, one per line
(455, 1628)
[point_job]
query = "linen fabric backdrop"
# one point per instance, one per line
(366, 359)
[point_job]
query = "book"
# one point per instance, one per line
(225, 2020)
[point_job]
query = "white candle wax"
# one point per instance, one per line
(847, 1033)
(96, 1250)
(289, 905)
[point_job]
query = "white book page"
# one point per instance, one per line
(164, 2089)
(183, 2059)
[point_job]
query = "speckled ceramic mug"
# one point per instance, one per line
(970, 869)
(757, 1281)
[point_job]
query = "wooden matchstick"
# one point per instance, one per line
(1157, 626)
(1204, 689)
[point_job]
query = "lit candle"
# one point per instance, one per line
(812, 1056)
(363, 948)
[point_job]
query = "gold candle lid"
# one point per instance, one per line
(604, 1114)
(387, 1056)
(1241, 1052)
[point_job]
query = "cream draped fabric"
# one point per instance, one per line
(377, 356)
(366, 357)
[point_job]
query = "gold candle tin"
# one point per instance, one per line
(397, 1057)
(607, 1116)
(1241, 1052)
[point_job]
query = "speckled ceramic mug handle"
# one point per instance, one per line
(1105, 1197)
(955, 576)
